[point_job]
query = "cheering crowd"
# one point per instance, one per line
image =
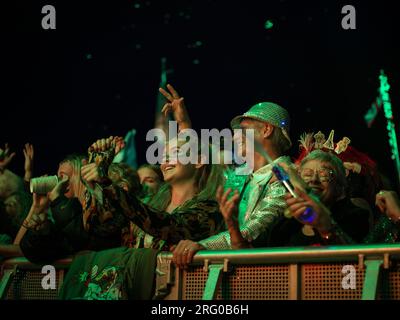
(331, 194)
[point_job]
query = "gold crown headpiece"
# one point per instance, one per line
(311, 141)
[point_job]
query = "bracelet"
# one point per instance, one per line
(25, 224)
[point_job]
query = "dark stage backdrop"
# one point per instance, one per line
(98, 73)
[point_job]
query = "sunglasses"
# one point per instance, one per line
(324, 174)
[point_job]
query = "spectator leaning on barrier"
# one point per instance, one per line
(336, 220)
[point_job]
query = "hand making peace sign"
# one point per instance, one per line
(177, 106)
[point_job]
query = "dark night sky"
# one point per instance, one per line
(54, 96)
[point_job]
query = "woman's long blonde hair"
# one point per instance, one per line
(207, 179)
(75, 160)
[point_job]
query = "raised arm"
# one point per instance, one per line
(195, 222)
(5, 157)
(37, 214)
(28, 164)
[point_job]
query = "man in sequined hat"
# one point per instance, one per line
(261, 197)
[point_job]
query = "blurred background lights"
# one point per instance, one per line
(268, 24)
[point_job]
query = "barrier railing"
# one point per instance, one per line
(22, 280)
(306, 273)
(336, 272)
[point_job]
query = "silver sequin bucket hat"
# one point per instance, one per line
(267, 112)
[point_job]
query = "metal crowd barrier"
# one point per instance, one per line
(309, 273)
(22, 280)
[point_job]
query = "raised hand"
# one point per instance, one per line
(102, 145)
(352, 166)
(297, 207)
(388, 203)
(60, 188)
(28, 165)
(230, 211)
(229, 208)
(184, 251)
(5, 157)
(176, 105)
(40, 202)
(38, 219)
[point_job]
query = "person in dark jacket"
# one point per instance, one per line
(48, 237)
(335, 220)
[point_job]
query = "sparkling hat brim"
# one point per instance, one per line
(235, 124)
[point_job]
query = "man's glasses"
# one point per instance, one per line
(324, 174)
